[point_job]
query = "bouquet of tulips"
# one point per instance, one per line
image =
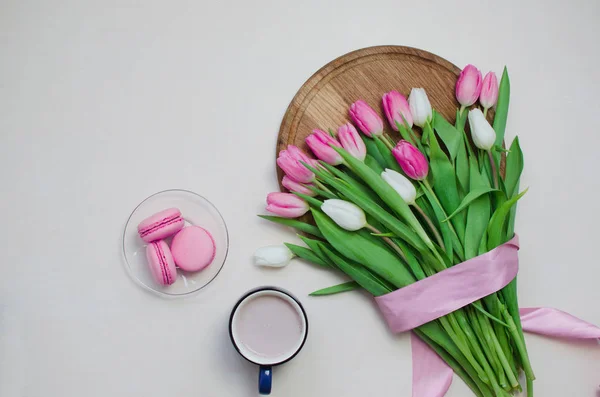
(391, 212)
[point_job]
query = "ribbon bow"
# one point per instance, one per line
(459, 286)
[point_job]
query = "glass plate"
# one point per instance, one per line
(196, 210)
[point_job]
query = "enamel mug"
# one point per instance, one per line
(268, 327)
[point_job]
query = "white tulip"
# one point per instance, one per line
(420, 108)
(347, 215)
(273, 256)
(400, 184)
(482, 132)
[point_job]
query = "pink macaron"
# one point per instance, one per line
(161, 262)
(161, 225)
(193, 248)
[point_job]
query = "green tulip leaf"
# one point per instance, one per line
(423, 202)
(385, 192)
(496, 225)
(390, 222)
(383, 234)
(510, 225)
(366, 279)
(313, 202)
(331, 252)
(445, 185)
(473, 194)
(462, 166)
(514, 167)
(296, 224)
(336, 289)
(349, 180)
(373, 164)
(404, 132)
(307, 254)
(413, 262)
(322, 193)
(444, 227)
(483, 244)
(372, 150)
(448, 133)
(361, 250)
(387, 155)
(461, 120)
(478, 212)
(501, 114)
(316, 247)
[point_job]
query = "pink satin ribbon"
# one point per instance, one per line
(447, 291)
(451, 289)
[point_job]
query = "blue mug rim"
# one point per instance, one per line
(252, 292)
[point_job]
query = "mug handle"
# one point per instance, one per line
(265, 379)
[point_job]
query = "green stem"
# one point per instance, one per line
(388, 141)
(481, 310)
(414, 136)
(464, 349)
(529, 387)
(466, 328)
(494, 171)
(512, 378)
(430, 224)
(459, 341)
(389, 242)
(485, 339)
(411, 132)
(495, 344)
(462, 368)
(519, 341)
(322, 187)
(460, 125)
(459, 247)
(439, 258)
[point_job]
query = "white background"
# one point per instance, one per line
(103, 103)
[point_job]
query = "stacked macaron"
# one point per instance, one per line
(192, 247)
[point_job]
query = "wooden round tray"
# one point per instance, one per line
(323, 101)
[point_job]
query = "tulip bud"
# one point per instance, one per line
(319, 142)
(411, 160)
(273, 256)
(347, 215)
(401, 184)
(482, 132)
(290, 161)
(366, 118)
(396, 107)
(293, 186)
(489, 91)
(287, 205)
(351, 141)
(420, 108)
(468, 86)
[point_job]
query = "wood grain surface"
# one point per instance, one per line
(323, 101)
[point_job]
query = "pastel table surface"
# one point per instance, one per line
(91, 92)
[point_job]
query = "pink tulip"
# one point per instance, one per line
(396, 106)
(319, 142)
(489, 91)
(293, 186)
(290, 162)
(351, 141)
(287, 205)
(366, 118)
(468, 86)
(411, 160)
